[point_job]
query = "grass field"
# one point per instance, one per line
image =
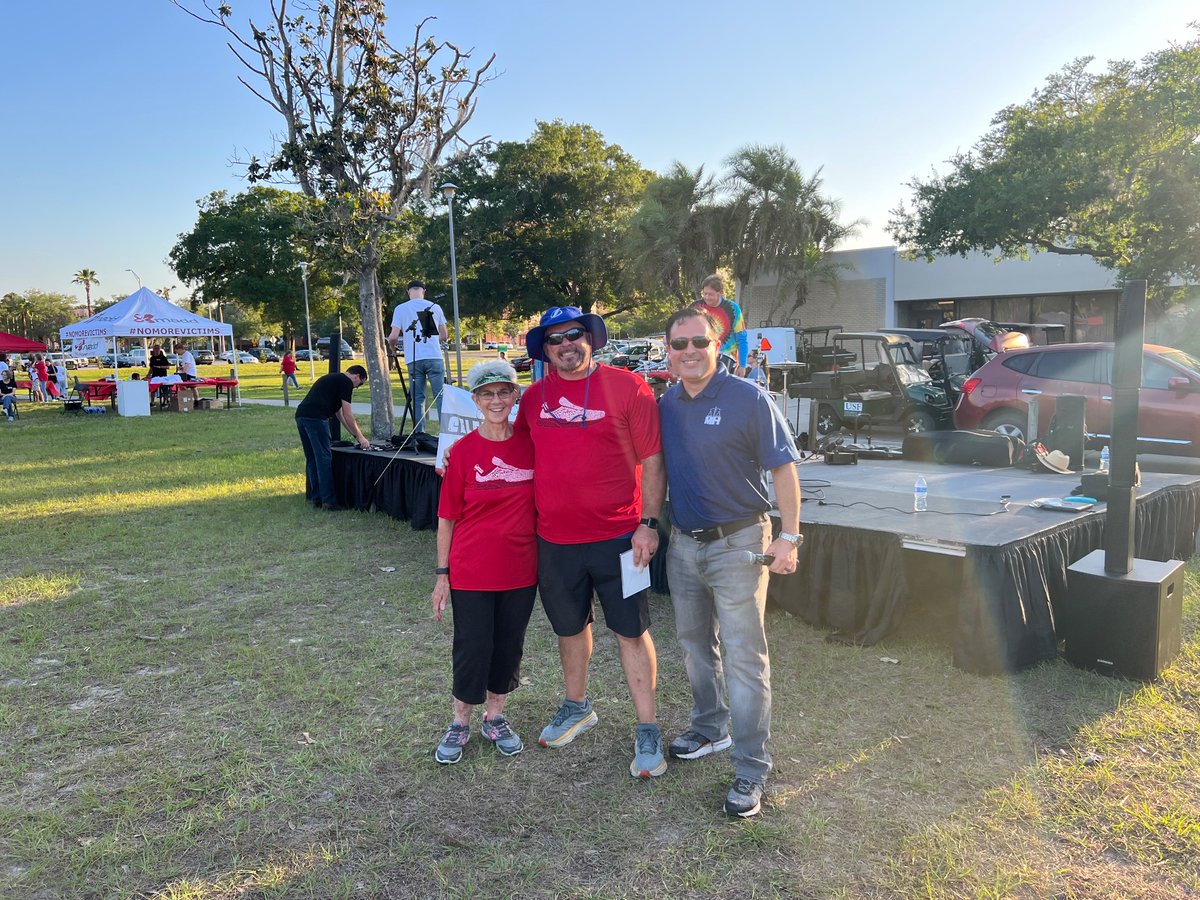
(210, 690)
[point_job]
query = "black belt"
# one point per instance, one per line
(708, 535)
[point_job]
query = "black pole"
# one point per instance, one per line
(335, 365)
(1126, 381)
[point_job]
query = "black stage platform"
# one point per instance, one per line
(400, 483)
(861, 561)
(857, 561)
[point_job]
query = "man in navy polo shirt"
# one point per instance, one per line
(720, 436)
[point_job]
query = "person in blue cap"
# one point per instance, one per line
(599, 483)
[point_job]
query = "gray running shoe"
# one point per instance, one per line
(744, 799)
(693, 745)
(450, 750)
(648, 761)
(571, 720)
(500, 733)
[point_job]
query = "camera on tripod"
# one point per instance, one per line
(424, 327)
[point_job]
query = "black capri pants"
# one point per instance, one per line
(489, 640)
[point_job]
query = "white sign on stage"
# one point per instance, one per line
(460, 416)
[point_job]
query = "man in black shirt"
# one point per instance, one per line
(328, 397)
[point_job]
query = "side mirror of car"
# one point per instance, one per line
(1181, 383)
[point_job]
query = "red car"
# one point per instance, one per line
(997, 395)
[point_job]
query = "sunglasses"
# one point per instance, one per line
(489, 396)
(572, 335)
(698, 342)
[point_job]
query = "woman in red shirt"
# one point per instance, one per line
(487, 560)
(287, 366)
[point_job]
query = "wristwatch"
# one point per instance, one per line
(650, 522)
(442, 570)
(796, 539)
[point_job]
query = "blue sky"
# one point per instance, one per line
(120, 115)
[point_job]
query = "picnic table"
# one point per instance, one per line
(94, 392)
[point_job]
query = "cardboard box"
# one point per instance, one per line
(204, 403)
(182, 402)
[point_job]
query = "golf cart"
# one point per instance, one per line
(885, 385)
(815, 352)
(945, 355)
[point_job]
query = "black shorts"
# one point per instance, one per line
(569, 574)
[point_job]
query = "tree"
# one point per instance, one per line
(541, 223)
(1099, 164)
(777, 220)
(674, 240)
(86, 277)
(369, 126)
(36, 314)
(248, 248)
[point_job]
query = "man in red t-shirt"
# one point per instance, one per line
(599, 482)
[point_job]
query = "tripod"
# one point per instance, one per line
(407, 414)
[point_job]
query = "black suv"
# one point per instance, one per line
(264, 354)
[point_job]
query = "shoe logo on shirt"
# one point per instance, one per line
(713, 417)
(570, 412)
(503, 472)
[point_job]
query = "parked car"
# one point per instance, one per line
(243, 357)
(264, 354)
(522, 363)
(66, 360)
(323, 347)
(203, 357)
(306, 354)
(997, 396)
(124, 360)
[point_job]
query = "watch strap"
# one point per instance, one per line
(649, 522)
(442, 570)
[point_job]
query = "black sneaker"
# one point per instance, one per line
(744, 799)
(693, 745)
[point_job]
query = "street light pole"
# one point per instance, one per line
(312, 369)
(137, 276)
(448, 191)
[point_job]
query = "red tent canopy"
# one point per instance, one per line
(19, 344)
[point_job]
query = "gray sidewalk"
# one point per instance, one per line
(360, 409)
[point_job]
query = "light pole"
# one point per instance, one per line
(448, 191)
(312, 369)
(137, 276)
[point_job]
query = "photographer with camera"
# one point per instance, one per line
(422, 324)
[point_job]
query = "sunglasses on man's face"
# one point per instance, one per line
(699, 343)
(571, 335)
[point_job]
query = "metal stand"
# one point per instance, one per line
(407, 414)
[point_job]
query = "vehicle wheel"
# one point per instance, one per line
(1007, 421)
(919, 420)
(827, 420)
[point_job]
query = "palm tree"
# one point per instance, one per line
(86, 277)
(673, 240)
(780, 222)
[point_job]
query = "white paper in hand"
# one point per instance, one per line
(633, 579)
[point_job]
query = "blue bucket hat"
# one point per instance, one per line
(558, 315)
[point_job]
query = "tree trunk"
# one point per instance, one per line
(382, 421)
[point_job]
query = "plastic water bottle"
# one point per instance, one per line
(1104, 459)
(920, 495)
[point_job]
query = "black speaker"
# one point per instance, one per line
(1129, 624)
(1068, 429)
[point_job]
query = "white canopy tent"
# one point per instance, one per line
(143, 314)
